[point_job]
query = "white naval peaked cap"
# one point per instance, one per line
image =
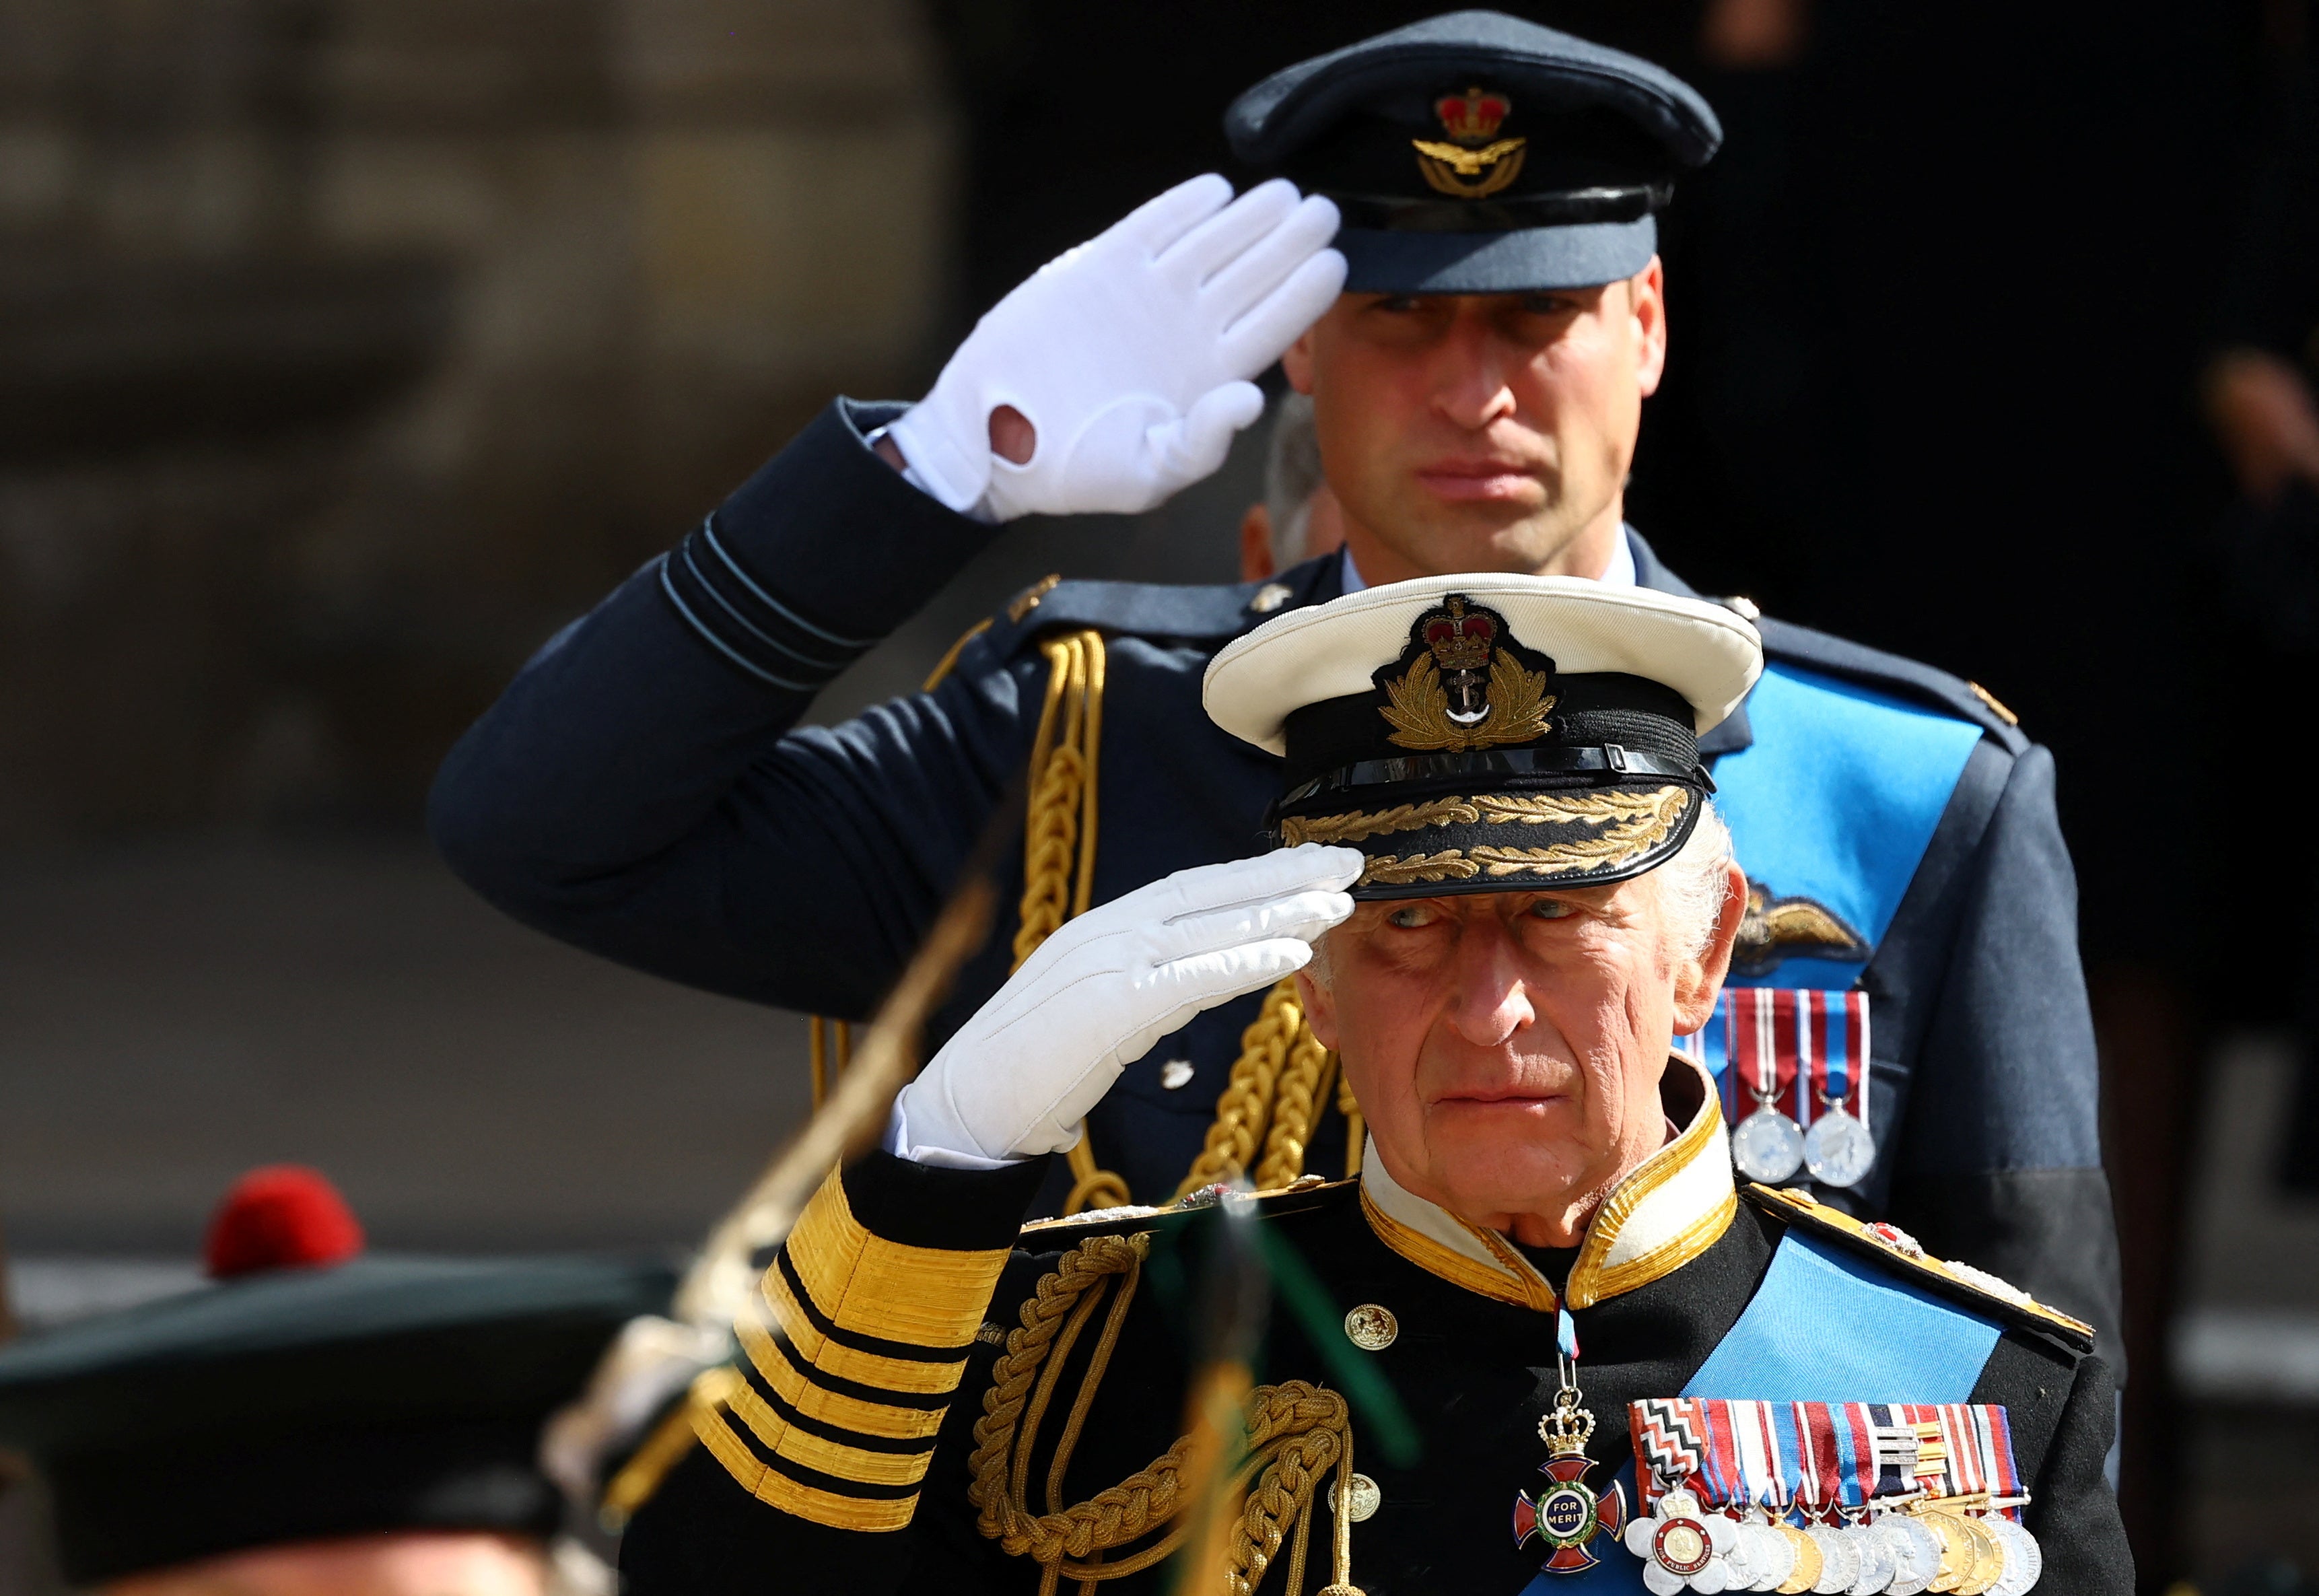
(1702, 651)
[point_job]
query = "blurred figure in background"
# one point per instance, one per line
(318, 1423)
(2258, 393)
(1298, 518)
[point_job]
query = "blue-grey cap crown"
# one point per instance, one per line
(1268, 123)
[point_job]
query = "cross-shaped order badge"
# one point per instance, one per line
(1567, 1514)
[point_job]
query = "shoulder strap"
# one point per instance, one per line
(1892, 673)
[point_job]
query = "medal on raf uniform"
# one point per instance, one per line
(1568, 1513)
(1767, 1145)
(1837, 1149)
(1801, 1056)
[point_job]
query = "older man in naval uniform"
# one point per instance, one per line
(1541, 1283)
(1477, 344)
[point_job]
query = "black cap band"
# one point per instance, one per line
(1569, 208)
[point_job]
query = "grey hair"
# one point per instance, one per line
(1292, 475)
(1695, 883)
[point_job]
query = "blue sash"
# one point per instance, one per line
(1825, 1326)
(1836, 800)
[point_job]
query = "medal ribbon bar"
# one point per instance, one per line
(1821, 1457)
(1796, 1047)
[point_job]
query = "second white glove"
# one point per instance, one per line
(1130, 355)
(1018, 1077)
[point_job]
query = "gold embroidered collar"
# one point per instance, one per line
(1674, 1205)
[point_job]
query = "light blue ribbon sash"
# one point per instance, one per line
(1836, 800)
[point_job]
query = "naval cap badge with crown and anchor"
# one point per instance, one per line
(1489, 733)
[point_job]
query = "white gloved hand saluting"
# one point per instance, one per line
(1130, 355)
(1017, 1078)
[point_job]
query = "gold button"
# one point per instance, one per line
(1371, 1327)
(1362, 1499)
(1269, 598)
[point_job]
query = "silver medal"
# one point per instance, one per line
(1876, 1562)
(1838, 1149)
(1915, 1554)
(1839, 1560)
(1773, 1558)
(2023, 1560)
(1767, 1146)
(1734, 1556)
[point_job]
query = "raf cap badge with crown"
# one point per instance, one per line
(1479, 164)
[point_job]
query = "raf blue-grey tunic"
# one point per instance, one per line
(643, 791)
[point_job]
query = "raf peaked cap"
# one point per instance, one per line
(304, 1399)
(1489, 733)
(1477, 153)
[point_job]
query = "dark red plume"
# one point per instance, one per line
(283, 1216)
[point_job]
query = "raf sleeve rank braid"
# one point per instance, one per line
(851, 1349)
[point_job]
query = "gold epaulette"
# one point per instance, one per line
(1896, 1249)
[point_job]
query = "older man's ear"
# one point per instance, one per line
(1699, 979)
(1320, 1002)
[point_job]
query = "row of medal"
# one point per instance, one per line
(1829, 1497)
(1794, 1068)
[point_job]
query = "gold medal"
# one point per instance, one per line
(1988, 1558)
(1956, 1551)
(1808, 1562)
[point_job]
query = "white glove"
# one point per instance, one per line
(1020, 1076)
(1130, 355)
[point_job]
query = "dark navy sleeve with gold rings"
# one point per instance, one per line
(850, 1357)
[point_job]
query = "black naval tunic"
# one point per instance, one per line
(642, 789)
(811, 1477)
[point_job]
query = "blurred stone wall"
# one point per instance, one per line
(348, 346)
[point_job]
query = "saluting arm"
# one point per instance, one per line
(811, 1471)
(634, 791)
(814, 1469)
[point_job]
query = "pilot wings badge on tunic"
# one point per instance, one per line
(1462, 689)
(1775, 930)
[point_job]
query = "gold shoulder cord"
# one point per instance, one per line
(1280, 1082)
(1059, 838)
(1296, 1433)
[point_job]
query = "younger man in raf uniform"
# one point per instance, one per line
(1541, 1338)
(643, 789)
